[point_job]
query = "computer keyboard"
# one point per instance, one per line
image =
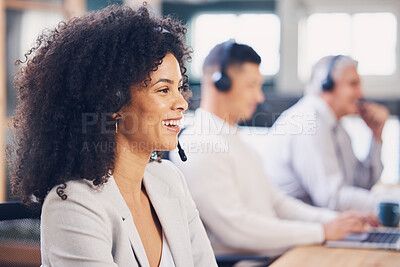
(382, 237)
(378, 238)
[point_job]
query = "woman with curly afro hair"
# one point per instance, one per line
(97, 96)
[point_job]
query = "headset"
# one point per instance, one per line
(220, 78)
(328, 83)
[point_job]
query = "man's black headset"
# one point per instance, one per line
(328, 83)
(220, 78)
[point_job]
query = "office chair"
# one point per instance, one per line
(231, 259)
(19, 235)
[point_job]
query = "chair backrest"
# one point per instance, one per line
(17, 210)
(229, 260)
(19, 235)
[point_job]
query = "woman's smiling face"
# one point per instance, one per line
(151, 121)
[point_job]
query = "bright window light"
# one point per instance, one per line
(374, 44)
(33, 23)
(391, 151)
(326, 34)
(370, 38)
(212, 29)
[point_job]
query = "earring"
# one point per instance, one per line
(117, 117)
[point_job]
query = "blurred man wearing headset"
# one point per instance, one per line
(311, 157)
(241, 209)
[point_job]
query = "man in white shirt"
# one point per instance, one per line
(311, 156)
(241, 210)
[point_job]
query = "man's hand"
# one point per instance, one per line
(367, 218)
(349, 222)
(375, 116)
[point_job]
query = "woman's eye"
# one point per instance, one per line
(181, 89)
(165, 90)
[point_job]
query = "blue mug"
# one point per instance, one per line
(389, 214)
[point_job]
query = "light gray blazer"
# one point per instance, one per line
(94, 227)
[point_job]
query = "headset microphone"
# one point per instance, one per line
(181, 153)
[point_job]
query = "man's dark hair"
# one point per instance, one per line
(238, 55)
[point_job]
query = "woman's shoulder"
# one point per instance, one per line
(75, 193)
(74, 188)
(85, 217)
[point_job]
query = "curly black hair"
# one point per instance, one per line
(86, 65)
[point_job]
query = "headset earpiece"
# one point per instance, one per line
(328, 83)
(221, 79)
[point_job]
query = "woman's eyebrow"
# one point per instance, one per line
(165, 80)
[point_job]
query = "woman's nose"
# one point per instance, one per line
(180, 102)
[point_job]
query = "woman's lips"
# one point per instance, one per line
(172, 125)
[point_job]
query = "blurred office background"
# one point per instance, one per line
(290, 35)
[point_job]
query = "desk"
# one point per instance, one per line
(321, 256)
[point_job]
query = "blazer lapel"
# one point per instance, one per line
(127, 221)
(171, 214)
(136, 243)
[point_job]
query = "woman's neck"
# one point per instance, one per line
(129, 168)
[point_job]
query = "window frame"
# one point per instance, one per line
(288, 81)
(303, 29)
(188, 11)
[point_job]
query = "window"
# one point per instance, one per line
(391, 151)
(211, 29)
(370, 38)
(33, 23)
(23, 27)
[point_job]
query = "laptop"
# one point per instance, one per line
(378, 238)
